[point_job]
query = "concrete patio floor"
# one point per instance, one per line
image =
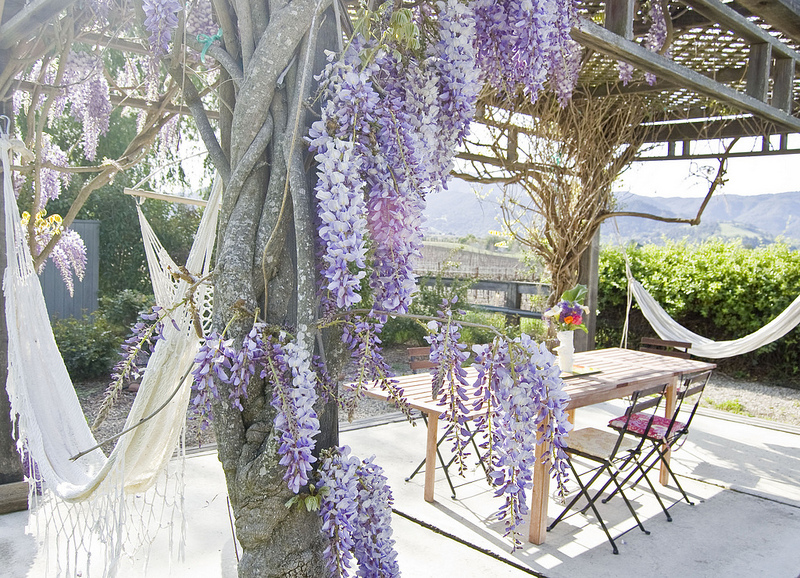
(744, 476)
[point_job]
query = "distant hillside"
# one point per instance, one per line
(756, 219)
(459, 211)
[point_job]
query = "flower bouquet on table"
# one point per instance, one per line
(566, 316)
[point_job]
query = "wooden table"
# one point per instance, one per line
(619, 372)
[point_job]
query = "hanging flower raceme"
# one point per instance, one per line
(526, 43)
(69, 253)
(657, 35)
(339, 141)
(244, 365)
(214, 359)
(161, 20)
(356, 516)
(287, 367)
(87, 92)
(362, 338)
(449, 376)
(519, 379)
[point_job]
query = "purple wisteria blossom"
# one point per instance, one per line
(87, 92)
(69, 257)
(52, 180)
(161, 20)
(338, 509)
(519, 379)
(356, 516)
(449, 376)
(374, 551)
(138, 346)
(244, 365)
(288, 367)
(657, 35)
(200, 18)
(214, 359)
(525, 43)
(362, 338)
(341, 143)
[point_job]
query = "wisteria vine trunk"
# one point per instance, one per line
(265, 235)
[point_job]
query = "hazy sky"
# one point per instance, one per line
(745, 176)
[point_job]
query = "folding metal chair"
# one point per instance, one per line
(665, 434)
(614, 452)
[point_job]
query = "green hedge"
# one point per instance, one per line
(719, 290)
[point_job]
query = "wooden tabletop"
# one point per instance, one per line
(609, 374)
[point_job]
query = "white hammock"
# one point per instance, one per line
(52, 427)
(668, 328)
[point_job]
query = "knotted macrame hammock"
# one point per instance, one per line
(112, 497)
(668, 328)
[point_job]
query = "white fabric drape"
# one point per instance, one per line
(125, 498)
(51, 420)
(668, 328)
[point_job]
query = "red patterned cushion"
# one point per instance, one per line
(639, 421)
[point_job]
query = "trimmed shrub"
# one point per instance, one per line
(88, 346)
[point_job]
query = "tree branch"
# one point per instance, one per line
(195, 104)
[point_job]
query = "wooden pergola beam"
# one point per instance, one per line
(598, 38)
(28, 20)
(732, 20)
(783, 15)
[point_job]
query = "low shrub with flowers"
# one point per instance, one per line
(568, 314)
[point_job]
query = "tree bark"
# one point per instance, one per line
(265, 262)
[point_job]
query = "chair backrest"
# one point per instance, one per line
(663, 347)
(689, 396)
(643, 408)
(419, 358)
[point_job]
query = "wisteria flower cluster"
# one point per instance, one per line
(519, 380)
(69, 254)
(449, 376)
(86, 91)
(361, 336)
(138, 346)
(161, 20)
(213, 359)
(653, 41)
(287, 366)
(389, 129)
(356, 516)
(526, 43)
(657, 35)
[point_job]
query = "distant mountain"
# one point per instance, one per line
(756, 219)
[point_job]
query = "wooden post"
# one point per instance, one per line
(619, 17)
(513, 301)
(783, 84)
(758, 69)
(588, 275)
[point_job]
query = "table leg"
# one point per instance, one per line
(430, 456)
(539, 500)
(670, 401)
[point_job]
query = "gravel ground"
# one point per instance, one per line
(770, 401)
